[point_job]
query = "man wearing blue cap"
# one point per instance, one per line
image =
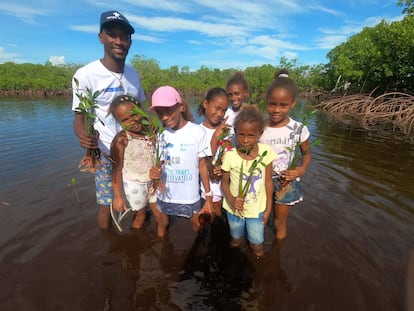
(112, 77)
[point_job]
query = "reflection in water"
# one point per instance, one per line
(209, 275)
(378, 168)
(347, 248)
(271, 281)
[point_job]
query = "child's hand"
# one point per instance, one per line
(207, 207)
(238, 203)
(216, 172)
(266, 215)
(119, 204)
(290, 175)
(219, 129)
(155, 172)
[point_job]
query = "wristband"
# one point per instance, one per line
(209, 194)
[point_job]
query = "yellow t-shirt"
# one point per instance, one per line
(255, 201)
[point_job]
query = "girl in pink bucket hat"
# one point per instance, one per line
(183, 146)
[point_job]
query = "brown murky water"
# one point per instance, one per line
(347, 248)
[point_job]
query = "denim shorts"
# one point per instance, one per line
(179, 209)
(288, 195)
(103, 181)
(253, 226)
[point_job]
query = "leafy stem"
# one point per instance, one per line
(255, 166)
(87, 104)
(152, 129)
(224, 144)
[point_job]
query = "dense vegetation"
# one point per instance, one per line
(20, 77)
(378, 58)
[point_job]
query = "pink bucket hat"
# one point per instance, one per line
(165, 96)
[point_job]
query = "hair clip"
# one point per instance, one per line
(127, 98)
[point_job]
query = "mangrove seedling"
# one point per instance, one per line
(255, 166)
(152, 129)
(223, 145)
(87, 105)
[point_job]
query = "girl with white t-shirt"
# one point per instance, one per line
(287, 138)
(183, 148)
(213, 108)
(238, 92)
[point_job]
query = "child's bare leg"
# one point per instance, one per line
(257, 249)
(235, 242)
(104, 217)
(217, 208)
(155, 211)
(280, 221)
(162, 225)
(139, 219)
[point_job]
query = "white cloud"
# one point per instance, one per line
(85, 28)
(9, 57)
(195, 42)
(331, 37)
(57, 60)
(25, 13)
(266, 40)
(330, 41)
(95, 30)
(326, 10)
(171, 24)
(291, 55)
(146, 38)
(165, 5)
(270, 47)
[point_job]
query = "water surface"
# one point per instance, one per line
(347, 248)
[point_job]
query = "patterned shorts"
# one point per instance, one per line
(103, 181)
(137, 195)
(289, 194)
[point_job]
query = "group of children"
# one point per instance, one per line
(252, 176)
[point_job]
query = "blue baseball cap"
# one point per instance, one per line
(110, 17)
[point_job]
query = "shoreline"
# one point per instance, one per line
(67, 93)
(33, 93)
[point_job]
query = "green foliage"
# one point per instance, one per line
(35, 76)
(198, 81)
(87, 105)
(153, 128)
(408, 6)
(73, 181)
(17, 77)
(378, 57)
(251, 171)
(149, 71)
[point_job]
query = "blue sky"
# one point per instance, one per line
(212, 33)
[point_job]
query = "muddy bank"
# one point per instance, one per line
(67, 93)
(32, 93)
